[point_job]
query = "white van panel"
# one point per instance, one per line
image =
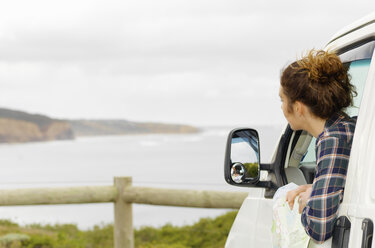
(252, 226)
(361, 172)
(359, 195)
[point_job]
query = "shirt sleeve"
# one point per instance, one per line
(319, 215)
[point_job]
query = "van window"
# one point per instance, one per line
(358, 70)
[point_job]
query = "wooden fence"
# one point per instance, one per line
(123, 195)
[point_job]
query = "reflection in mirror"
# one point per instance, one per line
(237, 172)
(245, 156)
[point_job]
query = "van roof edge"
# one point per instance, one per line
(365, 21)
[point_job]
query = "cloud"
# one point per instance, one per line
(188, 61)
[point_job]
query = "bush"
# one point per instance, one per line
(206, 233)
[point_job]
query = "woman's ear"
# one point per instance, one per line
(299, 108)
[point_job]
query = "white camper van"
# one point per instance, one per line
(294, 157)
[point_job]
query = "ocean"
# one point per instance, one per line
(183, 161)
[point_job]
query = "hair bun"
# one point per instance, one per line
(322, 67)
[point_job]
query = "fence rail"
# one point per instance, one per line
(123, 195)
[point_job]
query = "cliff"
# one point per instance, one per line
(17, 126)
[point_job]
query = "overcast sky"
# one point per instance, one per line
(201, 62)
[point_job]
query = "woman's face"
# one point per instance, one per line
(291, 116)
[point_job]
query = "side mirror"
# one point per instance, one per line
(242, 165)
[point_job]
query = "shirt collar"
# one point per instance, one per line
(333, 120)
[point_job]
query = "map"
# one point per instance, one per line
(287, 229)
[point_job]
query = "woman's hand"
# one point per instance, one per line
(303, 198)
(291, 195)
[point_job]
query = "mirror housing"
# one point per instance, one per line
(242, 165)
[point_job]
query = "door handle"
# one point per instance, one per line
(367, 233)
(341, 233)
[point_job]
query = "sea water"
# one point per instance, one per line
(183, 161)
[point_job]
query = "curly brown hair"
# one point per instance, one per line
(320, 81)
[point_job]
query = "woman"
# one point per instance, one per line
(314, 92)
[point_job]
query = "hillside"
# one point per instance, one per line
(121, 127)
(18, 126)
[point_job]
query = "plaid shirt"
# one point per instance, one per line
(332, 148)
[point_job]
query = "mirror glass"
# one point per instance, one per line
(237, 172)
(244, 156)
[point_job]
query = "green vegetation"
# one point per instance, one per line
(207, 232)
(252, 170)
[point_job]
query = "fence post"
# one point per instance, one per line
(123, 228)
